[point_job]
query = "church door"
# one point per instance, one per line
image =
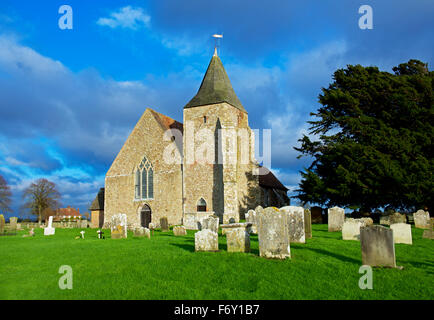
(145, 216)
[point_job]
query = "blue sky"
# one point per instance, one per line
(69, 98)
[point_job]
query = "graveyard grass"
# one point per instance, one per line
(166, 267)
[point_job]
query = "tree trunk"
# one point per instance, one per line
(39, 216)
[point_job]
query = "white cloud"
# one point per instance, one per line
(126, 17)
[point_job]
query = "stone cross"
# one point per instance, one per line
(100, 234)
(82, 234)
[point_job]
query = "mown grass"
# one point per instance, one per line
(166, 267)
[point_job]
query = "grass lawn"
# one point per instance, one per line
(166, 267)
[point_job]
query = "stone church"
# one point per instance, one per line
(186, 172)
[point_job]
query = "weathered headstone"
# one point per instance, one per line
(421, 219)
(307, 224)
(402, 233)
(251, 218)
(179, 231)
(429, 233)
(367, 221)
(31, 234)
(316, 213)
(336, 218)
(237, 236)
(13, 223)
(164, 225)
(49, 231)
(142, 232)
(273, 234)
(295, 222)
(391, 218)
(2, 223)
(238, 240)
(206, 240)
(378, 247)
(351, 229)
(211, 223)
(118, 226)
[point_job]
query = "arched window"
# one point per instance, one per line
(201, 205)
(144, 181)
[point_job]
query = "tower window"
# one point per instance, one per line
(204, 119)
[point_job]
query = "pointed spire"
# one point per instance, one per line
(215, 52)
(215, 87)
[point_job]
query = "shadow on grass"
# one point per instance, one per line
(333, 254)
(186, 246)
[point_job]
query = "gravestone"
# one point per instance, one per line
(316, 215)
(118, 226)
(49, 231)
(273, 234)
(142, 232)
(238, 240)
(179, 231)
(295, 223)
(429, 233)
(206, 240)
(307, 224)
(421, 219)
(2, 223)
(164, 225)
(251, 218)
(351, 229)
(392, 218)
(13, 223)
(31, 234)
(100, 234)
(367, 221)
(378, 247)
(336, 218)
(402, 233)
(211, 223)
(237, 236)
(82, 234)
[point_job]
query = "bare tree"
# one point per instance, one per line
(41, 195)
(5, 196)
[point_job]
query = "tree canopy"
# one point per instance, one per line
(372, 144)
(5, 196)
(40, 196)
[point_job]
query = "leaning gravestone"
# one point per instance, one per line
(401, 233)
(307, 224)
(351, 229)
(2, 223)
(211, 223)
(295, 222)
(378, 247)
(13, 223)
(206, 240)
(118, 226)
(164, 224)
(421, 219)
(179, 231)
(273, 234)
(336, 218)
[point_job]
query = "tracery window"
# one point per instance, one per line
(144, 180)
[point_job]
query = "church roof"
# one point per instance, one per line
(98, 202)
(167, 122)
(269, 180)
(215, 87)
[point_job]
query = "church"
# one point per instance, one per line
(188, 171)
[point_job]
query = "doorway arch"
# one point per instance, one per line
(145, 216)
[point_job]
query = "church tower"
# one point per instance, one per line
(218, 150)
